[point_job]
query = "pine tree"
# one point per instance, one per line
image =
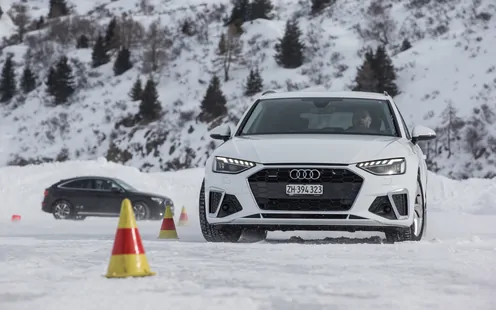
(28, 81)
(150, 108)
(254, 83)
(377, 74)
(99, 55)
(319, 5)
(214, 102)
(405, 45)
(83, 42)
(1, 12)
(64, 86)
(366, 79)
(8, 87)
(240, 12)
(222, 46)
(58, 8)
(51, 82)
(136, 91)
(385, 72)
(122, 62)
(261, 9)
(111, 40)
(289, 49)
(40, 23)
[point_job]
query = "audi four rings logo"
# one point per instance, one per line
(304, 174)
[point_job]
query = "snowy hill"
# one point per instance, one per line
(451, 64)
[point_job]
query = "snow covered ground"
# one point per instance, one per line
(51, 264)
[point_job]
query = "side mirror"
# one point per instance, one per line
(422, 133)
(222, 132)
(115, 190)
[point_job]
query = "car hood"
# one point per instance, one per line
(147, 194)
(336, 149)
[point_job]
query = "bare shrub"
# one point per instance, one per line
(132, 32)
(20, 17)
(380, 26)
(156, 44)
(41, 53)
(80, 73)
(67, 31)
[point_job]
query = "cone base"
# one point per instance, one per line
(168, 234)
(130, 265)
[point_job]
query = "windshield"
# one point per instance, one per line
(125, 185)
(320, 115)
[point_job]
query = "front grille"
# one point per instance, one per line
(341, 186)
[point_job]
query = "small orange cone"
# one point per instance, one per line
(16, 218)
(128, 255)
(183, 218)
(168, 228)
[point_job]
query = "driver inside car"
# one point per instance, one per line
(361, 122)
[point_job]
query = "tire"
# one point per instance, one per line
(416, 231)
(141, 211)
(63, 210)
(210, 232)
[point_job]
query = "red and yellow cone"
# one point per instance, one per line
(183, 218)
(128, 255)
(168, 228)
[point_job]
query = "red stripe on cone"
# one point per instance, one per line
(127, 241)
(168, 224)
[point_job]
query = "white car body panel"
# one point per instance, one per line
(329, 151)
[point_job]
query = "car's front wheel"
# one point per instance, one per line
(141, 211)
(211, 233)
(416, 231)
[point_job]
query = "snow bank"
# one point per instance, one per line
(22, 188)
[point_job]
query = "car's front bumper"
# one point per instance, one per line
(360, 212)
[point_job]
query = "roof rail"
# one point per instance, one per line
(386, 94)
(268, 92)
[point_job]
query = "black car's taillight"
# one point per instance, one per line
(45, 193)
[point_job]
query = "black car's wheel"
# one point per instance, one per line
(141, 210)
(63, 210)
(211, 233)
(416, 231)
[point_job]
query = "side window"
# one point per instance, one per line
(79, 184)
(103, 185)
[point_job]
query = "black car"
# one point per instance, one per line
(79, 197)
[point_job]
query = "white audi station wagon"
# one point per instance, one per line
(335, 161)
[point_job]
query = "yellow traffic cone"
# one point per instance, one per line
(183, 218)
(128, 255)
(168, 228)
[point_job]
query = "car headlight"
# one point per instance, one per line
(158, 199)
(391, 166)
(231, 165)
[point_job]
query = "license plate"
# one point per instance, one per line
(304, 189)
